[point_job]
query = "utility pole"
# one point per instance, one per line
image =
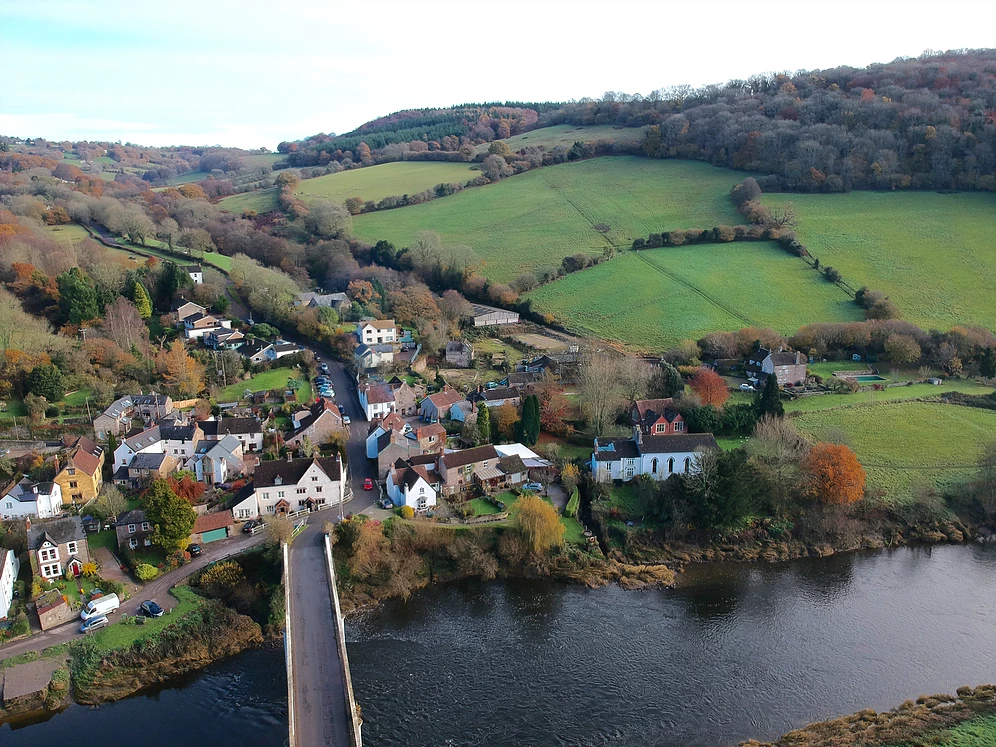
(88, 415)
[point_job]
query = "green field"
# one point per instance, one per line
(261, 200)
(906, 445)
(976, 732)
(655, 298)
(567, 135)
(275, 378)
(892, 394)
(933, 254)
(388, 179)
(533, 220)
(68, 234)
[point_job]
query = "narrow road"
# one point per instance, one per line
(157, 590)
(321, 712)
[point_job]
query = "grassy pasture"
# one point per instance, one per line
(534, 220)
(260, 200)
(377, 182)
(892, 394)
(934, 254)
(656, 298)
(903, 445)
(567, 135)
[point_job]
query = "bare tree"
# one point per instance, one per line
(280, 530)
(598, 384)
(778, 448)
(634, 377)
(785, 216)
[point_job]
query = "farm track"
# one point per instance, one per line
(698, 291)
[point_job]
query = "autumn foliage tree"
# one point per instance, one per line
(187, 487)
(710, 387)
(835, 476)
(182, 372)
(538, 523)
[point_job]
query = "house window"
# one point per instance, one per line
(302, 491)
(72, 471)
(688, 463)
(679, 426)
(133, 543)
(269, 509)
(49, 553)
(145, 526)
(74, 484)
(77, 497)
(318, 489)
(51, 571)
(653, 465)
(314, 478)
(660, 428)
(131, 528)
(280, 494)
(147, 542)
(670, 465)
(72, 547)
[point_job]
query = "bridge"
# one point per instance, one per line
(321, 706)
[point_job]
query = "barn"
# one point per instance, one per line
(490, 316)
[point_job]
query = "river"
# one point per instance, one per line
(736, 651)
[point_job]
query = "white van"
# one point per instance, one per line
(104, 605)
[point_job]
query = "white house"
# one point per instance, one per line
(198, 325)
(285, 486)
(21, 499)
(215, 462)
(413, 486)
(377, 332)
(196, 273)
(148, 441)
(248, 430)
(393, 423)
(9, 566)
(657, 457)
(377, 400)
(372, 356)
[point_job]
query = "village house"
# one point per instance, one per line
(9, 568)
(224, 339)
(436, 406)
(216, 462)
(390, 425)
(656, 417)
(211, 528)
(406, 397)
(23, 498)
(196, 273)
(338, 301)
(523, 379)
(83, 474)
(318, 426)
(460, 470)
(657, 457)
(788, 367)
(152, 407)
(284, 486)
(133, 530)
(262, 351)
(462, 411)
(179, 442)
(198, 325)
(368, 357)
(459, 354)
(248, 430)
(392, 445)
(490, 316)
(57, 547)
(185, 309)
(145, 468)
(115, 420)
(377, 332)
(496, 397)
(377, 400)
(416, 486)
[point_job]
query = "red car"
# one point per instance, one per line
(368, 484)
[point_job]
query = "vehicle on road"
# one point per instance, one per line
(746, 388)
(327, 392)
(151, 609)
(368, 484)
(535, 487)
(103, 605)
(342, 410)
(346, 420)
(325, 367)
(249, 526)
(385, 503)
(318, 358)
(194, 550)
(94, 623)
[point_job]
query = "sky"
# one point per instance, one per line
(251, 74)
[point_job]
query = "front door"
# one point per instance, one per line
(282, 507)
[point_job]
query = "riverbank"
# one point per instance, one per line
(936, 720)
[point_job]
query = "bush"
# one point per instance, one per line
(407, 512)
(146, 572)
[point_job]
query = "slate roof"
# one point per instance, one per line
(468, 456)
(118, 407)
(148, 461)
(144, 439)
(679, 442)
(650, 411)
(234, 426)
(177, 432)
(291, 472)
(787, 358)
(136, 516)
(610, 450)
(495, 395)
(57, 532)
(458, 346)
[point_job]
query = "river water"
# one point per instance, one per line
(736, 651)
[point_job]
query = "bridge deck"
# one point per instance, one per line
(321, 713)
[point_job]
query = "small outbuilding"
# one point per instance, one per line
(212, 527)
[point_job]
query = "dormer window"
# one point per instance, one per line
(278, 480)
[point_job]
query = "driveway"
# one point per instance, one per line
(110, 567)
(157, 590)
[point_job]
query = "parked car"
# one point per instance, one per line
(249, 526)
(100, 607)
(318, 358)
(94, 623)
(746, 387)
(535, 487)
(151, 609)
(325, 367)
(385, 503)
(491, 385)
(346, 420)
(342, 410)
(194, 550)
(368, 484)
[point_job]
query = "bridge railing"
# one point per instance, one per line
(355, 722)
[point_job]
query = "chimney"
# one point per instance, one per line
(27, 524)
(57, 465)
(290, 456)
(798, 357)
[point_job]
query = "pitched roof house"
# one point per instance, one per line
(133, 530)
(496, 397)
(58, 546)
(247, 429)
(9, 567)
(788, 367)
(319, 425)
(377, 331)
(657, 457)
(23, 498)
(377, 400)
(656, 417)
(83, 474)
(285, 486)
(338, 301)
(373, 355)
(436, 406)
(413, 485)
(459, 354)
(216, 462)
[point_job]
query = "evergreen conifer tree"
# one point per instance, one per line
(768, 401)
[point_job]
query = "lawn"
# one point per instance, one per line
(161, 250)
(483, 507)
(107, 539)
(119, 635)
(260, 200)
(275, 378)
(534, 220)
(892, 394)
(386, 180)
(933, 254)
(826, 369)
(903, 445)
(626, 499)
(567, 135)
(573, 531)
(656, 298)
